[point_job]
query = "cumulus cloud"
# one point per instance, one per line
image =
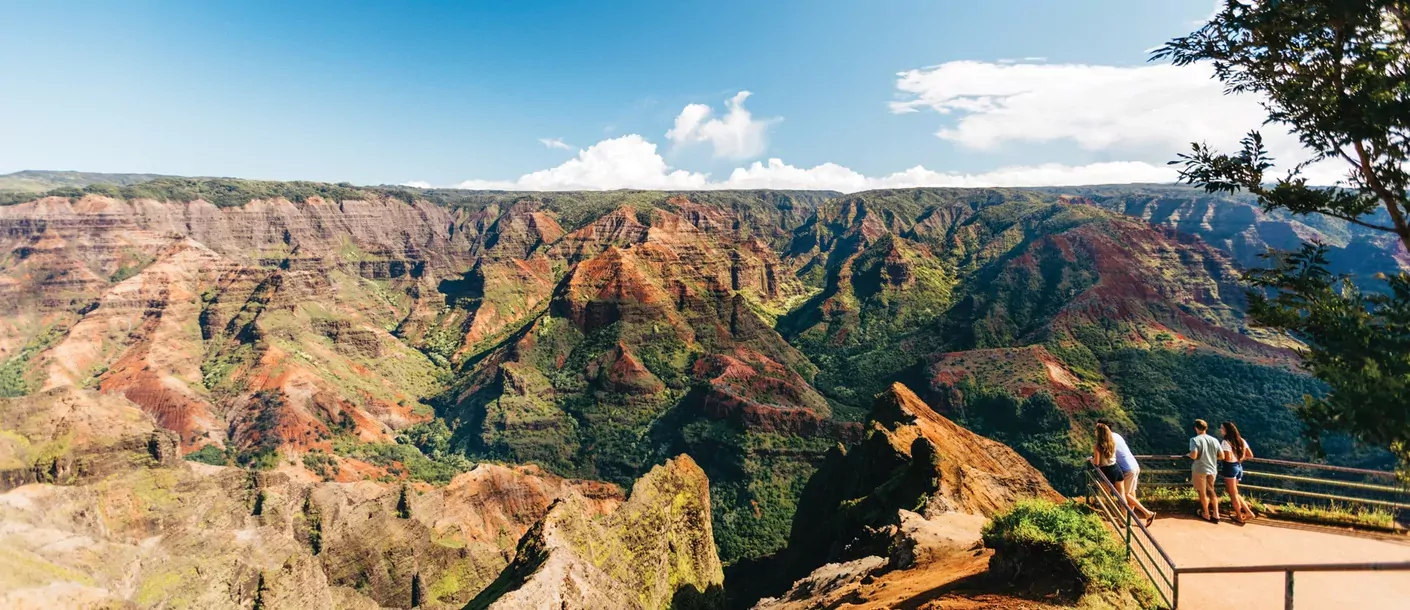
(633, 162)
(736, 135)
(555, 143)
(626, 162)
(420, 184)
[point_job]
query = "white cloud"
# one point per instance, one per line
(1153, 109)
(829, 176)
(737, 135)
(555, 143)
(420, 184)
(626, 162)
(632, 162)
(1142, 113)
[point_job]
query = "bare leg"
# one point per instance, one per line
(1199, 491)
(1129, 488)
(1241, 506)
(1231, 486)
(1212, 495)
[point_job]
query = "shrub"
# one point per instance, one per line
(404, 459)
(321, 464)
(1061, 548)
(210, 454)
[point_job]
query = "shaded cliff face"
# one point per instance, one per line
(656, 550)
(912, 494)
(911, 458)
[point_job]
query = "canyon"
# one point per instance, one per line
(311, 395)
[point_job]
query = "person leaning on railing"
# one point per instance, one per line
(1232, 453)
(1204, 450)
(1130, 475)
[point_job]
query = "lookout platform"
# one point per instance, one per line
(1192, 542)
(1269, 563)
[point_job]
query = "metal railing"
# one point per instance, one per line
(1164, 574)
(1157, 567)
(1289, 569)
(1299, 485)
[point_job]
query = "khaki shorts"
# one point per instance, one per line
(1132, 479)
(1203, 482)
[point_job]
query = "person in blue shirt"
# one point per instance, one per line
(1204, 450)
(1130, 475)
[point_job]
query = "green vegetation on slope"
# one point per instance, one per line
(1063, 550)
(1034, 427)
(1164, 391)
(756, 479)
(15, 374)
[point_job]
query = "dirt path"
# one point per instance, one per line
(1192, 542)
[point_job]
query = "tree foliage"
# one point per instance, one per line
(1334, 73)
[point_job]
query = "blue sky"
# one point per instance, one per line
(842, 94)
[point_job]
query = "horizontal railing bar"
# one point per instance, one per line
(1374, 473)
(1377, 473)
(1352, 484)
(1313, 494)
(1304, 567)
(1289, 477)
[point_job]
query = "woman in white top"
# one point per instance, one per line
(1232, 453)
(1104, 457)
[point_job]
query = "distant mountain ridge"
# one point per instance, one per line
(39, 181)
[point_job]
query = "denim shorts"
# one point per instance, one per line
(1231, 470)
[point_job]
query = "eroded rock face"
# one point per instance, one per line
(596, 334)
(656, 550)
(116, 518)
(205, 536)
(68, 436)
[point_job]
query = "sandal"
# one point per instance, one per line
(1150, 519)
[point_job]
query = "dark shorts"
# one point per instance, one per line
(1231, 470)
(1113, 473)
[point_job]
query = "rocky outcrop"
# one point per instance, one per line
(912, 459)
(930, 560)
(210, 537)
(655, 551)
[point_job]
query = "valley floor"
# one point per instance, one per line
(1191, 542)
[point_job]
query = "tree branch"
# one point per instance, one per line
(1397, 217)
(1354, 221)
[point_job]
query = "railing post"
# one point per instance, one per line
(1175, 591)
(1128, 533)
(1288, 590)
